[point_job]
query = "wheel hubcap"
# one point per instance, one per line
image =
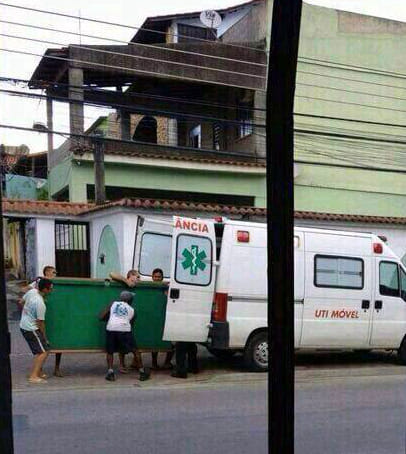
(261, 354)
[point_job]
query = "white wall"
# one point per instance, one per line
(45, 244)
(129, 230)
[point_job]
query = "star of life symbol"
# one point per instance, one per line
(194, 259)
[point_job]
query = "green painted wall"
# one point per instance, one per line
(169, 179)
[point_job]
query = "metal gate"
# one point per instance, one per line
(72, 249)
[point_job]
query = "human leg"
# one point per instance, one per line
(180, 352)
(39, 360)
(192, 358)
(57, 369)
(110, 349)
(154, 360)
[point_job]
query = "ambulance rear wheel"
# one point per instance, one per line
(256, 353)
(402, 352)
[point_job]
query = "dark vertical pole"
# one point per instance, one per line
(99, 188)
(279, 131)
(6, 426)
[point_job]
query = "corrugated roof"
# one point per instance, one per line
(52, 208)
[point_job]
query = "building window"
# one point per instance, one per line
(146, 130)
(244, 116)
(190, 31)
(218, 136)
(195, 137)
(338, 272)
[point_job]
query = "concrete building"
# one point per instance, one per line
(350, 104)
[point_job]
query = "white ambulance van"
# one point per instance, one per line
(350, 288)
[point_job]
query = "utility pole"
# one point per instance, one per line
(98, 154)
(6, 425)
(279, 132)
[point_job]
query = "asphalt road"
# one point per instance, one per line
(345, 415)
(346, 403)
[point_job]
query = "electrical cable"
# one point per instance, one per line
(115, 24)
(151, 46)
(171, 76)
(127, 108)
(351, 67)
(88, 88)
(122, 54)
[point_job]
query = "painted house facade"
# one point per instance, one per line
(349, 107)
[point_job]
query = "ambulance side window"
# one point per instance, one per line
(338, 272)
(389, 279)
(194, 256)
(155, 253)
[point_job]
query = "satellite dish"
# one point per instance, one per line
(210, 18)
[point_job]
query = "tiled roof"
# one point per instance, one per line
(43, 207)
(32, 207)
(177, 205)
(144, 150)
(314, 216)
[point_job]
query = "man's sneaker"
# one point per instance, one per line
(179, 374)
(145, 374)
(110, 376)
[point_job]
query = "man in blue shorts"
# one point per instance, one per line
(119, 336)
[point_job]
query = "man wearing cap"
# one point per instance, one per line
(32, 327)
(119, 337)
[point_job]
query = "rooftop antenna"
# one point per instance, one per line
(211, 19)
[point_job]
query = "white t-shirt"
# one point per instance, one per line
(121, 314)
(34, 309)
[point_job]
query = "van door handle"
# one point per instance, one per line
(378, 305)
(174, 293)
(365, 304)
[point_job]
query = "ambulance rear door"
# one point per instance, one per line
(153, 246)
(192, 281)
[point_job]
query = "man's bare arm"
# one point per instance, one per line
(119, 278)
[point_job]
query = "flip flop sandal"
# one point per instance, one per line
(124, 371)
(36, 380)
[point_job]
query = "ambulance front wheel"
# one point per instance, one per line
(256, 352)
(402, 352)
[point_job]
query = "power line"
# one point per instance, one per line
(127, 108)
(140, 57)
(132, 142)
(348, 79)
(54, 57)
(151, 46)
(131, 27)
(81, 47)
(369, 106)
(87, 88)
(352, 67)
(357, 167)
(346, 90)
(193, 79)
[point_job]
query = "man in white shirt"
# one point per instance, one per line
(32, 327)
(119, 337)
